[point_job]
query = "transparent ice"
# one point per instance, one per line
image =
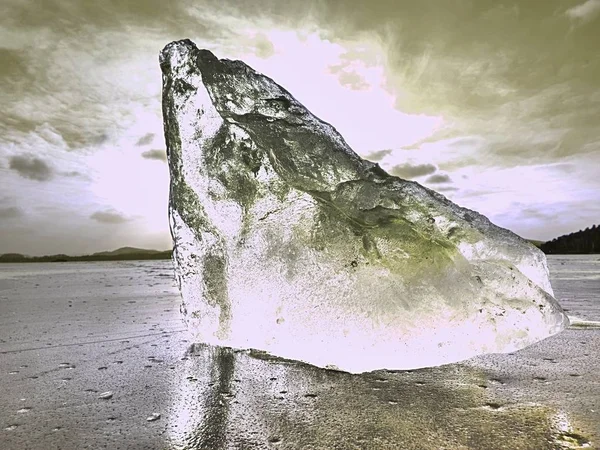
(286, 241)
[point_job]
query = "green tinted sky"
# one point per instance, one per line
(494, 103)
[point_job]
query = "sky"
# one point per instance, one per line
(493, 103)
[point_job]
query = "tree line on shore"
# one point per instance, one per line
(579, 242)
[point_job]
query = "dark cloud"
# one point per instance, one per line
(159, 155)
(31, 167)
(83, 130)
(13, 67)
(145, 139)
(409, 171)
(68, 16)
(489, 67)
(62, 62)
(10, 212)
(98, 139)
(463, 60)
(377, 155)
(438, 178)
(109, 216)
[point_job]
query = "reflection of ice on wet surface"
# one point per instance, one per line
(255, 401)
(123, 334)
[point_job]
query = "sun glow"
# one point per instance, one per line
(343, 83)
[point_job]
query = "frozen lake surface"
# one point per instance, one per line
(576, 283)
(94, 355)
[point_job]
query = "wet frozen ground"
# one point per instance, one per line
(94, 355)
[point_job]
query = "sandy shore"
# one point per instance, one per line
(71, 332)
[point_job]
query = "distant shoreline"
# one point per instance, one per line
(122, 254)
(581, 243)
(14, 258)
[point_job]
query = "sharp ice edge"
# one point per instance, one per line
(274, 251)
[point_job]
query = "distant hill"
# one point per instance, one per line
(581, 242)
(127, 251)
(120, 254)
(12, 257)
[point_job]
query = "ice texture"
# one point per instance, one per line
(287, 241)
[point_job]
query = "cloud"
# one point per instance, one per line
(12, 65)
(531, 73)
(535, 213)
(145, 139)
(98, 139)
(159, 155)
(10, 212)
(73, 173)
(447, 189)
(262, 46)
(584, 11)
(32, 167)
(110, 15)
(348, 77)
(377, 155)
(438, 178)
(409, 171)
(353, 81)
(92, 76)
(109, 216)
(522, 79)
(76, 174)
